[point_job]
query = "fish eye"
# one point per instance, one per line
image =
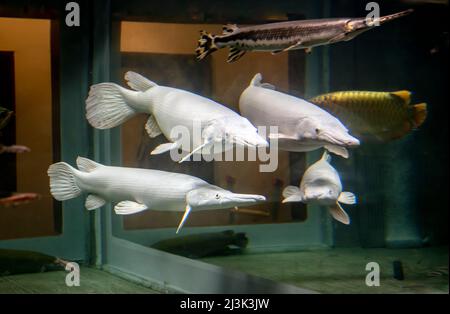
(317, 131)
(217, 196)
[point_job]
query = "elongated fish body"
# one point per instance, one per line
(302, 126)
(285, 36)
(137, 190)
(321, 185)
(381, 116)
(109, 105)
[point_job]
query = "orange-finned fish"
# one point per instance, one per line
(19, 198)
(382, 116)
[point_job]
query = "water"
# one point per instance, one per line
(401, 211)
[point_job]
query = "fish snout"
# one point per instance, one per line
(252, 141)
(352, 142)
(244, 199)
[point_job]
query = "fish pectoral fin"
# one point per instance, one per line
(194, 151)
(337, 38)
(292, 194)
(280, 136)
(235, 54)
(129, 207)
(290, 190)
(164, 148)
(287, 48)
(94, 202)
(187, 211)
(293, 198)
(339, 214)
(152, 127)
(338, 150)
(347, 198)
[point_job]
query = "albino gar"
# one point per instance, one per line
(137, 190)
(321, 185)
(302, 126)
(109, 105)
(285, 36)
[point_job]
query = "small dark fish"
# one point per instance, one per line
(5, 116)
(285, 36)
(204, 244)
(438, 272)
(21, 262)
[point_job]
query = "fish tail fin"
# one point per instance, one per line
(109, 105)
(394, 16)
(63, 181)
(419, 114)
(206, 45)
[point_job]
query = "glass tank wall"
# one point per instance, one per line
(393, 80)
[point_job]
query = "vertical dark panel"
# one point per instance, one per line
(8, 134)
(55, 69)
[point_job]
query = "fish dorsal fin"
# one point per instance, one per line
(339, 214)
(94, 202)
(229, 28)
(138, 82)
(152, 127)
(256, 81)
(235, 54)
(404, 95)
(326, 157)
(87, 165)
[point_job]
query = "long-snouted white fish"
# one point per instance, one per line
(321, 185)
(137, 190)
(109, 105)
(302, 126)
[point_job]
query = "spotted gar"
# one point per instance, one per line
(285, 36)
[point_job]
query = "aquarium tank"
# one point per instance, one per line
(232, 147)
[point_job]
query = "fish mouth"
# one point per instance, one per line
(244, 199)
(257, 142)
(341, 140)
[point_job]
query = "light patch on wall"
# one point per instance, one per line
(29, 39)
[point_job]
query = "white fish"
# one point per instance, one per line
(302, 126)
(137, 190)
(321, 185)
(109, 105)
